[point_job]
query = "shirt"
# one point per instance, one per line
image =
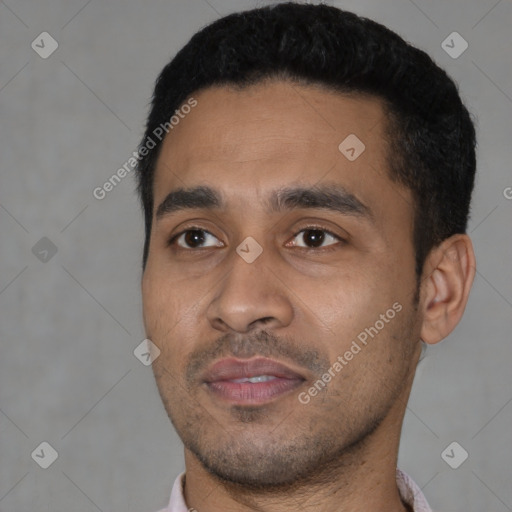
(408, 489)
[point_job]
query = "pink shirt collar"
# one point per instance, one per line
(409, 491)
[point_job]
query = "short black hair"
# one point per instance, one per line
(430, 134)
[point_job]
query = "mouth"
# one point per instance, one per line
(252, 381)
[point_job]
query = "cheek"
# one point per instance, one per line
(345, 299)
(350, 305)
(150, 303)
(160, 307)
(169, 319)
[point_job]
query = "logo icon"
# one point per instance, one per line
(454, 455)
(44, 45)
(249, 249)
(454, 45)
(351, 147)
(44, 250)
(45, 455)
(146, 352)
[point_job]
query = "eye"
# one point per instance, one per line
(313, 237)
(194, 238)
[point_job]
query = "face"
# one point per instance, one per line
(292, 265)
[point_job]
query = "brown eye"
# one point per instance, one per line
(193, 239)
(314, 237)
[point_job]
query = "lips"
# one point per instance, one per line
(229, 380)
(231, 369)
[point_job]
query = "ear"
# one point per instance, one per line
(449, 272)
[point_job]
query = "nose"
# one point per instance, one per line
(249, 297)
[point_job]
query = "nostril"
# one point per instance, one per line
(265, 320)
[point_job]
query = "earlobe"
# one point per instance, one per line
(450, 270)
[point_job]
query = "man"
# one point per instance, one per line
(306, 193)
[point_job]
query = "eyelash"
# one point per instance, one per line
(330, 247)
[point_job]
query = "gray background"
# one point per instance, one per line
(69, 325)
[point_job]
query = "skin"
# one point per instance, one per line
(301, 307)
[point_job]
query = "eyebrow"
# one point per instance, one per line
(328, 196)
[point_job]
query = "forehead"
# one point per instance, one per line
(253, 140)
